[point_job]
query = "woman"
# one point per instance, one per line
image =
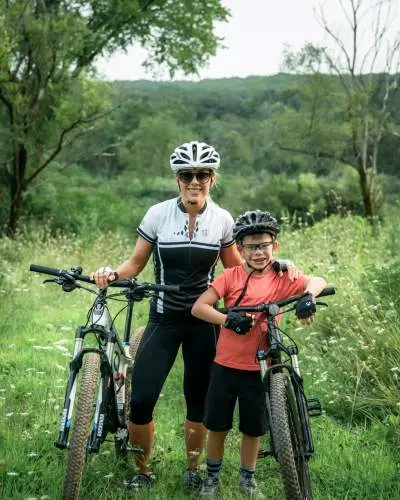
(186, 235)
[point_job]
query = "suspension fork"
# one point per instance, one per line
(70, 391)
(70, 394)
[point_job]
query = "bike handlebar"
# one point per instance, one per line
(75, 275)
(280, 303)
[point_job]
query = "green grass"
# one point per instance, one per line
(356, 441)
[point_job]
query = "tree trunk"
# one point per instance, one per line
(17, 187)
(369, 209)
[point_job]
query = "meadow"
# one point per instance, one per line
(350, 358)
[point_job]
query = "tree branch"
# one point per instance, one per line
(318, 154)
(61, 144)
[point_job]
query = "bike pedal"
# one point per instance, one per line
(314, 407)
(134, 449)
(264, 453)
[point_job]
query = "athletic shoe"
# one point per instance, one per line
(191, 480)
(141, 481)
(250, 488)
(210, 487)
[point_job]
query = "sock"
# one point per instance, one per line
(213, 468)
(246, 473)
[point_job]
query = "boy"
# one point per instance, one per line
(235, 372)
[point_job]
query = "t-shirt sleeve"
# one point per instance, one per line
(227, 236)
(148, 227)
(220, 284)
(294, 287)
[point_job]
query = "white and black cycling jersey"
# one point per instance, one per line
(179, 260)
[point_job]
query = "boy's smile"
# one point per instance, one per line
(257, 250)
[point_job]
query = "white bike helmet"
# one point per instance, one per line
(194, 155)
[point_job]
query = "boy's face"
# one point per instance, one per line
(258, 249)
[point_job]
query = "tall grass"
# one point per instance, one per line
(350, 358)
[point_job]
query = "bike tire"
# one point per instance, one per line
(121, 446)
(288, 440)
(82, 426)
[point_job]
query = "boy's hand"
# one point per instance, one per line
(305, 308)
(238, 322)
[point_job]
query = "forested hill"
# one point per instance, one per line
(284, 141)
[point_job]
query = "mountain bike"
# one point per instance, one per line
(287, 406)
(98, 388)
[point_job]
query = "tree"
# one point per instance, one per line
(47, 52)
(362, 107)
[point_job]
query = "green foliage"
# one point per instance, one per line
(146, 150)
(359, 332)
(47, 50)
(356, 458)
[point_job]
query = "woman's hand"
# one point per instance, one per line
(103, 276)
(281, 266)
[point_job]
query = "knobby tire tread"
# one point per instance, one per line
(134, 342)
(133, 347)
(282, 437)
(302, 468)
(81, 430)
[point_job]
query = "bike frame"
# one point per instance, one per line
(114, 363)
(270, 361)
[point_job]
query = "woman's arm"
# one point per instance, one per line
(203, 308)
(230, 256)
(128, 269)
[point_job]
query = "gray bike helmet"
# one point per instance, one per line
(255, 222)
(194, 155)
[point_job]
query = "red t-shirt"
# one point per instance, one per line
(239, 351)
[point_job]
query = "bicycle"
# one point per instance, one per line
(105, 369)
(288, 409)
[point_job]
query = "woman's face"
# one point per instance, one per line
(195, 184)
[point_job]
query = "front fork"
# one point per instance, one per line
(106, 389)
(306, 407)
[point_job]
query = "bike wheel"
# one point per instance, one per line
(288, 440)
(121, 445)
(82, 426)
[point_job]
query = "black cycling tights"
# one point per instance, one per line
(156, 354)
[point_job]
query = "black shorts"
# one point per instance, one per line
(228, 385)
(162, 338)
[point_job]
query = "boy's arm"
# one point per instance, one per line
(305, 307)
(314, 285)
(203, 308)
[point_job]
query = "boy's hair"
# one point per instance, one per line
(255, 222)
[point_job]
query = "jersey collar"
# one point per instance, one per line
(181, 206)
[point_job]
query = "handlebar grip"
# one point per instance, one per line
(44, 270)
(327, 291)
(36, 268)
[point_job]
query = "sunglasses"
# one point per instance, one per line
(252, 247)
(187, 177)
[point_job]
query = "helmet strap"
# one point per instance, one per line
(258, 271)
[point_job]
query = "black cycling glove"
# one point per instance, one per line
(305, 306)
(238, 322)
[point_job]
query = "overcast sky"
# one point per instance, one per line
(255, 37)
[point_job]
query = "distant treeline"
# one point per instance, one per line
(108, 178)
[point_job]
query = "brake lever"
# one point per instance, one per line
(321, 304)
(52, 281)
